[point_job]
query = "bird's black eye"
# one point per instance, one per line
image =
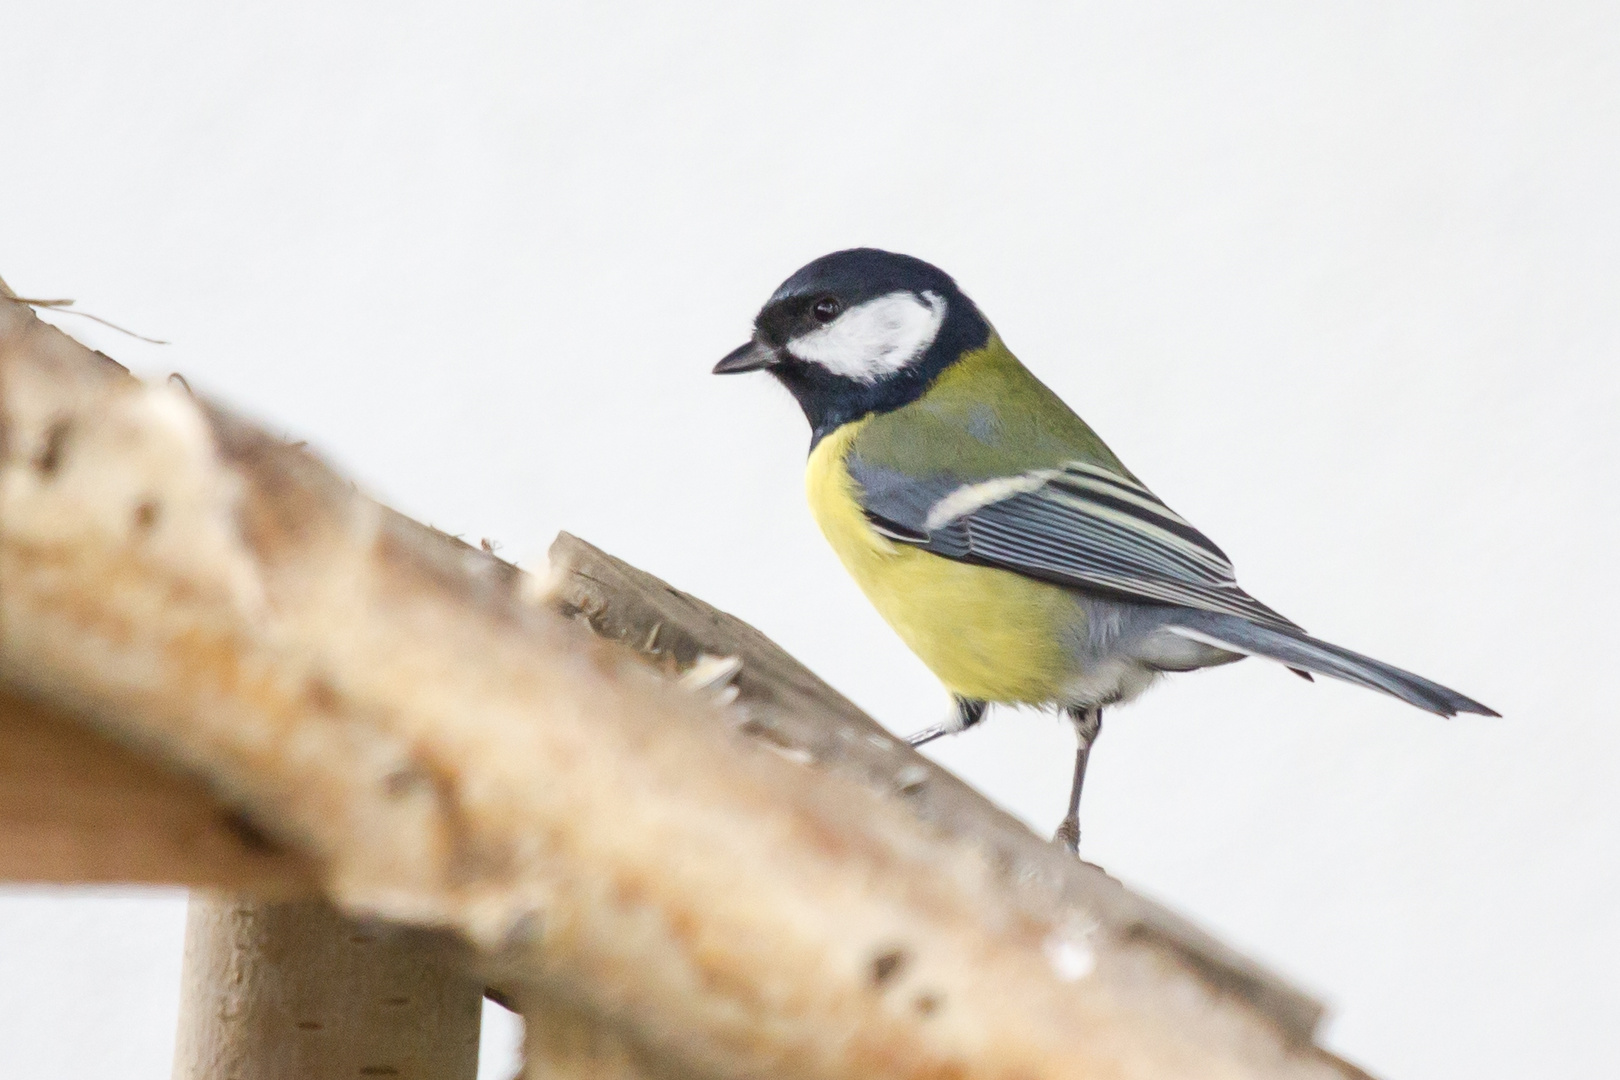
(827, 309)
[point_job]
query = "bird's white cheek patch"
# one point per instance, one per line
(876, 338)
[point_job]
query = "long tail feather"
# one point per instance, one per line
(1300, 650)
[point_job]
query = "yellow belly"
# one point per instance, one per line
(988, 634)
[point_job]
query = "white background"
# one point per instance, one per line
(1342, 282)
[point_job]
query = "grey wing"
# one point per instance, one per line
(1078, 525)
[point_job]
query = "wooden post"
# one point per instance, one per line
(561, 1043)
(296, 991)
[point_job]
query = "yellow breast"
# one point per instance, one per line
(988, 634)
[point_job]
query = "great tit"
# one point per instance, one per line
(992, 528)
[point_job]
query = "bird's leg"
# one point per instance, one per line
(1087, 724)
(965, 713)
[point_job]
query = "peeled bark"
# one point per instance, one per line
(700, 886)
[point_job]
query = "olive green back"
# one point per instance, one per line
(985, 416)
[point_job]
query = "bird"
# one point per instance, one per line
(992, 528)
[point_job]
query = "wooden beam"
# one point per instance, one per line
(713, 884)
(788, 708)
(78, 808)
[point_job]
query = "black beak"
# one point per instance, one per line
(754, 356)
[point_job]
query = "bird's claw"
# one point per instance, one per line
(1068, 834)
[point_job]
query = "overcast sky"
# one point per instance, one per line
(1341, 282)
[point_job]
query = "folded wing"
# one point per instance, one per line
(1078, 525)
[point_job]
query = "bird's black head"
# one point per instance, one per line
(860, 331)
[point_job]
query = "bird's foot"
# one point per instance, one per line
(965, 712)
(1068, 834)
(928, 735)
